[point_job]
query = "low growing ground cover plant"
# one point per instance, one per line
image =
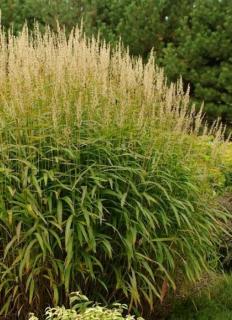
(105, 176)
(213, 301)
(83, 309)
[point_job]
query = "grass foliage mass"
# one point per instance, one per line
(104, 176)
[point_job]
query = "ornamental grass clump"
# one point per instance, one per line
(103, 185)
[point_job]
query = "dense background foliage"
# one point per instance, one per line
(202, 54)
(190, 37)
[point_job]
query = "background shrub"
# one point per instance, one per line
(16, 12)
(201, 54)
